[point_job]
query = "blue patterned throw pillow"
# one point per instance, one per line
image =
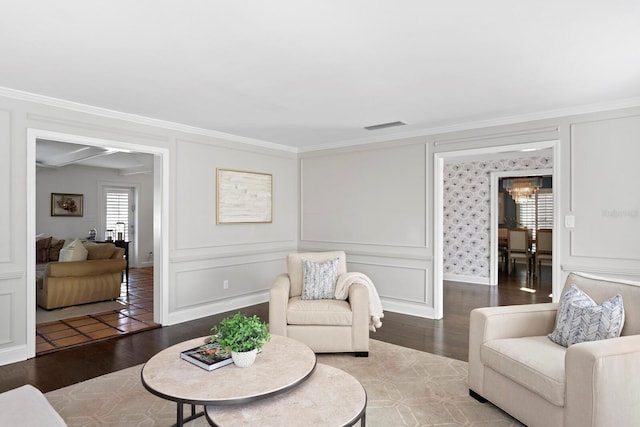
(319, 279)
(580, 319)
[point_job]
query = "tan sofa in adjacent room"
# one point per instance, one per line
(97, 278)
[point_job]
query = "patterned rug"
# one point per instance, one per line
(404, 387)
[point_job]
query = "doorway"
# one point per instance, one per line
(439, 223)
(509, 219)
(159, 228)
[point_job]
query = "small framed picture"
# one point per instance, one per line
(66, 204)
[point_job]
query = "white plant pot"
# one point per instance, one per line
(244, 359)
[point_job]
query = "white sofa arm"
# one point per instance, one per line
(602, 383)
(513, 321)
(278, 302)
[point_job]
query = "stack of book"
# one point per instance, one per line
(207, 356)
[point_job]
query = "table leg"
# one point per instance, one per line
(180, 415)
(180, 419)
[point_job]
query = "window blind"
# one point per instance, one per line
(117, 210)
(538, 212)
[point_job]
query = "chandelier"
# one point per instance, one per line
(522, 190)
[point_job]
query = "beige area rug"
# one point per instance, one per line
(45, 316)
(404, 387)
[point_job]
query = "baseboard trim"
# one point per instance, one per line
(467, 279)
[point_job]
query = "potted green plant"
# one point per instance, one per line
(243, 336)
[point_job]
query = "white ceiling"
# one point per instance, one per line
(306, 73)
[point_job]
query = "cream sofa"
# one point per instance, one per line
(515, 366)
(98, 278)
(326, 325)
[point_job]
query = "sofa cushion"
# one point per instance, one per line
(536, 363)
(74, 251)
(54, 249)
(99, 250)
(319, 312)
(580, 319)
(319, 279)
(42, 249)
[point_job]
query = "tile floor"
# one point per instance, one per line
(135, 316)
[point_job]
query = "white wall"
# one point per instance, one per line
(87, 181)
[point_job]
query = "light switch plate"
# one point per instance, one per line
(570, 221)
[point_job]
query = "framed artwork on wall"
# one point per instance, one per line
(66, 204)
(243, 197)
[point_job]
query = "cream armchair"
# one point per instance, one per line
(325, 325)
(515, 366)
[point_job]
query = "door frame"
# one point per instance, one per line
(160, 221)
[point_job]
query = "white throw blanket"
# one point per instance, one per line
(375, 305)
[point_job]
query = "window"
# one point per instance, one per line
(537, 213)
(117, 211)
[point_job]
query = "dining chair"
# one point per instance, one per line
(503, 245)
(544, 245)
(519, 249)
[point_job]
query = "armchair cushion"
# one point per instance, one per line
(533, 362)
(580, 319)
(319, 279)
(319, 312)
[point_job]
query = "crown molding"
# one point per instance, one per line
(506, 120)
(499, 121)
(134, 118)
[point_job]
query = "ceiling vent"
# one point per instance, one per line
(384, 125)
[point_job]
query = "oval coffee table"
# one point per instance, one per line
(329, 397)
(282, 364)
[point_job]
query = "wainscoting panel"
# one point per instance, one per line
(196, 189)
(199, 286)
(6, 316)
(366, 197)
(6, 224)
(604, 188)
(401, 283)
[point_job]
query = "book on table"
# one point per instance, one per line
(207, 356)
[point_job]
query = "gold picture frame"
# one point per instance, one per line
(243, 197)
(63, 204)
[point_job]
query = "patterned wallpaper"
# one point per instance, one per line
(467, 211)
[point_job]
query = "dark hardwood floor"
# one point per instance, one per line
(447, 337)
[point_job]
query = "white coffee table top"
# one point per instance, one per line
(283, 363)
(330, 397)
